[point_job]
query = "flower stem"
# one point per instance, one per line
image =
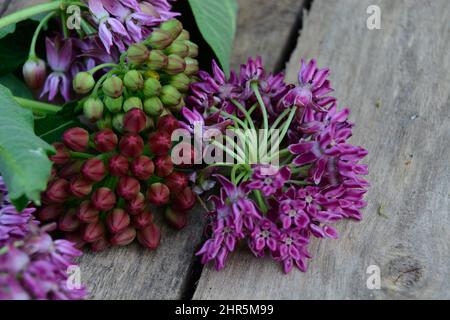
(233, 173)
(37, 32)
(265, 117)
(37, 106)
(278, 120)
(64, 25)
(298, 183)
(30, 12)
(81, 155)
(231, 153)
(260, 200)
(87, 28)
(102, 66)
(284, 130)
(280, 154)
(100, 82)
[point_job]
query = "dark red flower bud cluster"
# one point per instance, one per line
(105, 186)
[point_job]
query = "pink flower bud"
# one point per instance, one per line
(68, 221)
(159, 142)
(105, 140)
(131, 145)
(136, 205)
(53, 173)
(87, 213)
(176, 219)
(70, 169)
(103, 199)
(149, 237)
(128, 187)
(93, 232)
(80, 186)
(124, 237)
(168, 124)
(184, 200)
(34, 73)
(117, 220)
(142, 220)
(58, 190)
(142, 167)
(94, 169)
(76, 139)
(100, 245)
(118, 165)
(50, 212)
(134, 121)
(163, 166)
(62, 155)
(176, 181)
(158, 194)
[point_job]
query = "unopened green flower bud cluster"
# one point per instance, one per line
(153, 75)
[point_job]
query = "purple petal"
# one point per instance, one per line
(305, 158)
(228, 186)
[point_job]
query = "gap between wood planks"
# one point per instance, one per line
(196, 269)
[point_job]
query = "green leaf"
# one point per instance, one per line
(216, 21)
(17, 87)
(7, 30)
(51, 127)
(24, 164)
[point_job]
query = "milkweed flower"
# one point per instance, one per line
(123, 22)
(59, 58)
(115, 25)
(32, 264)
(277, 210)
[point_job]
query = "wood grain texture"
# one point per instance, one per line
(133, 272)
(405, 68)
(264, 28)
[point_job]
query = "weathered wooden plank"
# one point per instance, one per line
(264, 28)
(405, 68)
(133, 272)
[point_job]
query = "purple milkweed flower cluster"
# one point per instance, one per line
(32, 264)
(215, 90)
(278, 210)
(119, 23)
